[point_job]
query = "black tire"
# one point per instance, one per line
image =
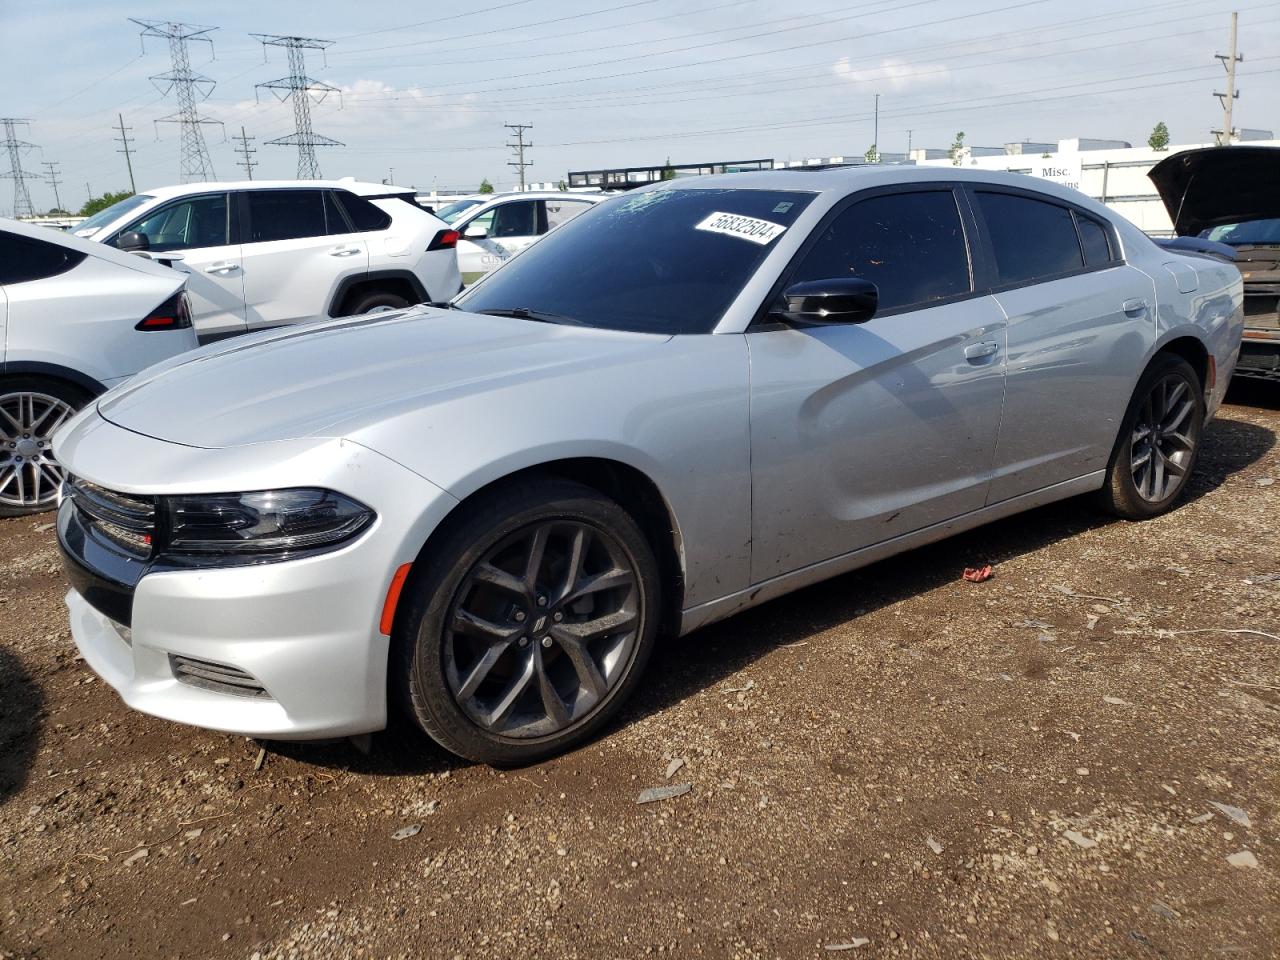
(375, 300)
(425, 644)
(10, 389)
(1130, 491)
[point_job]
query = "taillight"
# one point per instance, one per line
(444, 240)
(173, 314)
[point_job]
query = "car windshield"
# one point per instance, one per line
(452, 211)
(1253, 231)
(91, 225)
(663, 261)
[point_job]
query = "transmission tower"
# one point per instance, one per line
(21, 196)
(53, 180)
(519, 147)
(301, 88)
(246, 152)
(187, 87)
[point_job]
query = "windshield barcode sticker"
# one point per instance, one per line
(748, 228)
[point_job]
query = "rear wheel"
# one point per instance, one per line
(31, 409)
(376, 302)
(1159, 441)
(530, 623)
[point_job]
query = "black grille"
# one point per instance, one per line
(216, 677)
(127, 521)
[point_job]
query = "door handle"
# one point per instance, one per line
(1135, 307)
(979, 351)
(223, 266)
(344, 251)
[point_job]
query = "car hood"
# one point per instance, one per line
(329, 379)
(1216, 185)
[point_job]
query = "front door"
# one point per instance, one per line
(508, 228)
(865, 432)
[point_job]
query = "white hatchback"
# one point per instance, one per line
(266, 253)
(502, 225)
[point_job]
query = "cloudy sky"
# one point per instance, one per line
(624, 82)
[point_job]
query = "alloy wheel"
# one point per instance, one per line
(1164, 438)
(542, 628)
(29, 476)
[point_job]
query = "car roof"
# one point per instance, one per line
(90, 248)
(357, 187)
(542, 195)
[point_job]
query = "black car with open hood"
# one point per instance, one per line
(1231, 195)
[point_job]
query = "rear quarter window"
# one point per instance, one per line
(365, 217)
(23, 259)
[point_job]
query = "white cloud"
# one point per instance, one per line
(892, 74)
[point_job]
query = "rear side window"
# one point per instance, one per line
(558, 211)
(1031, 239)
(910, 245)
(23, 259)
(364, 215)
(1095, 240)
(286, 215)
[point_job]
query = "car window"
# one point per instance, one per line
(519, 218)
(1095, 240)
(910, 245)
(1031, 239)
(184, 224)
(287, 215)
(23, 259)
(663, 261)
(364, 215)
(102, 218)
(559, 211)
(452, 211)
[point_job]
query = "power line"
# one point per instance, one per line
(187, 87)
(300, 88)
(125, 139)
(16, 148)
(53, 181)
(433, 22)
(1228, 99)
(519, 147)
(246, 152)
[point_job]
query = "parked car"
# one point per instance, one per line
(264, 253)
(682, 403)
(75, 319)
(502, 225)
(1231, 195)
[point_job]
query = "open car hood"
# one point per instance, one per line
(1215, 185)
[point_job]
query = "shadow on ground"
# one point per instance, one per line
(21, 715)
(681, 667)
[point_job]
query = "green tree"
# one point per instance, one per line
(956, 153)
(1159, 139)
(486, 186)
(562, 187)
(872, 155)
(98, 204)
(668, 172)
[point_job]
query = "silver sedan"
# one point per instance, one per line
(687, 401)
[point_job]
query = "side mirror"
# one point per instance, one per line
(834, 301)
(475, 231)
(132, 241)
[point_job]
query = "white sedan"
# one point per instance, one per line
(501, 226)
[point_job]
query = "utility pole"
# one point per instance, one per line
(300, 88)
(187, 87)
(246, 152)
(125, 139)
(519, 147)
(1228, 99)
(875, 132)
(16, 148)
(53, 182)
(908, 144)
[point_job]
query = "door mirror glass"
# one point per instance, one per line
(832, 301)
(132, 241)
(475, 231)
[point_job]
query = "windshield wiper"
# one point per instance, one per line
(524, 313)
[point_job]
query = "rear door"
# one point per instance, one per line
(1080, 322)
(200, 232)
(298, 247)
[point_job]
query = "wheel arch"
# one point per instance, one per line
(1191, 349)
(404, 282)
(52, 371)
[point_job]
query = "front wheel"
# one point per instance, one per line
(1159, 441)
(31, 409)
(529, 623)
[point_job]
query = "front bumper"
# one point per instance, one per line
(305, 632)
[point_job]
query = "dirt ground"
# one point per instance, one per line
(1077, 758)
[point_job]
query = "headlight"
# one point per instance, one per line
(267, 524)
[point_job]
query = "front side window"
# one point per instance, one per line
(185, 224)
(287, 215)
(1031, 239)
(23, 259)
(519, 218)
(663, 261)
(910, 245)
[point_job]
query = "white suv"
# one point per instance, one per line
(264, 253)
